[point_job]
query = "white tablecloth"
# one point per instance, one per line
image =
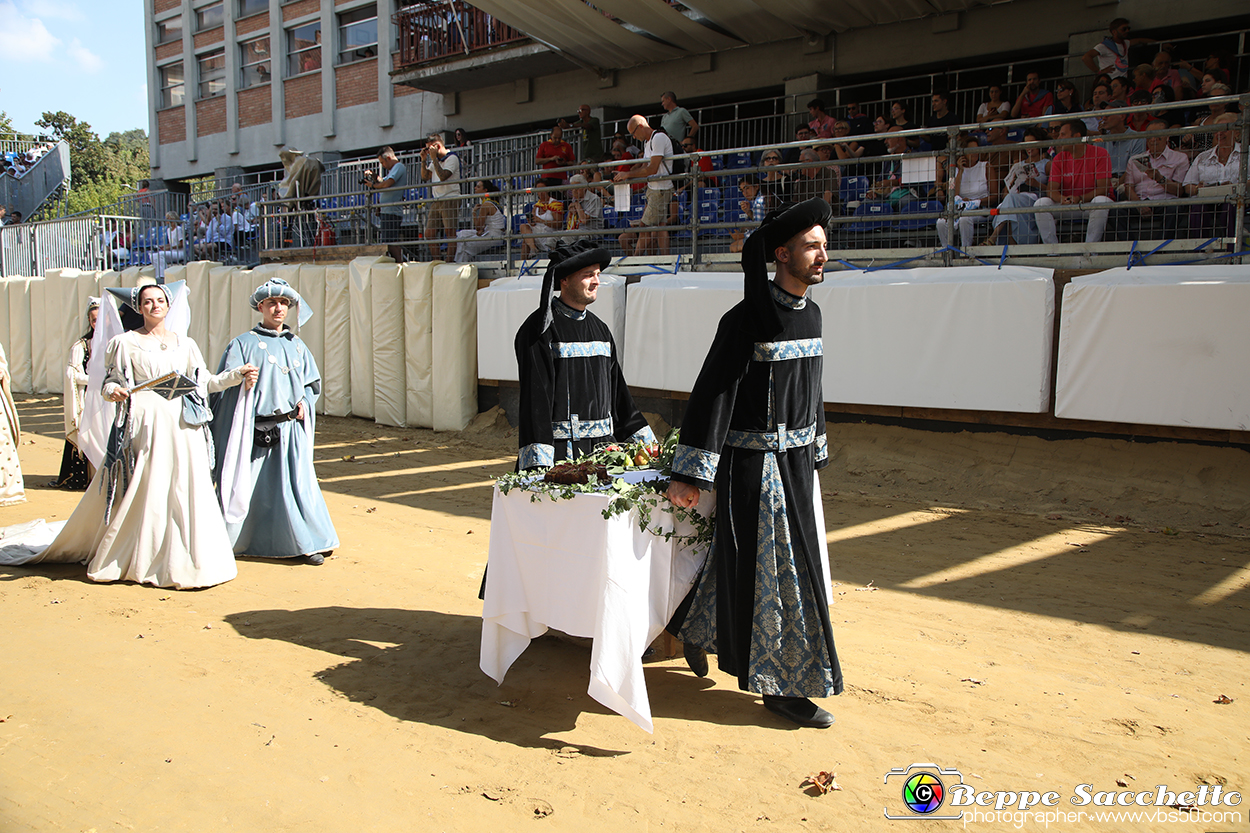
(1159, 345)
(560, 564)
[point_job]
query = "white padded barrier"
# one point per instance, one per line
(59, 318)
(418, 340)
(976, 338)
(18, 349)
(454, 342)
(336, 370)
(504, 305)
(360, 288)
(243, 283)
(670, 321)
(312, 280)
(1158, 345)
(38, 344)
(390, 387)
(220, 315)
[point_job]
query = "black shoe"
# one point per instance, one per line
(799, 710)
(316, 559)
(696, 658)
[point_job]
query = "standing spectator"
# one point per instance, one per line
(658, 152)
(1151, 178)
(1120, 140)
(1033, 101)
(968, 188)
(993, 106)
(821, 123)
(941, 117)
(555, 153)
(441, 167)
(546, 219)
(1221, 165)
(592, 133)
(488, 224)
(390, 182)
(1024, 184)
(461, 138)
(676, 121)
(1079, 174)
(585, 211)
(1111, 56)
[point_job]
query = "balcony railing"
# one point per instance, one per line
(434, 30)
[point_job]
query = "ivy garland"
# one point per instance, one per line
(645, 496)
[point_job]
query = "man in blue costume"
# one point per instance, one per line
(754, 431)
(573, 393)
(264, 438)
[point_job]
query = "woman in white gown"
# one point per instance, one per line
(150, 514)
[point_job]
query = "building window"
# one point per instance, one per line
(212, 73)
(358, 34)
(172, 87)
(247, 8)
(254, 62)
(303, 48)
(210, 17)
(169, 30)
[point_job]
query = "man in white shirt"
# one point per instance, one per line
(1221, 165)
(657, 161)
(440, 165)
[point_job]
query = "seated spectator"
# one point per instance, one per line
(994, 105)
(1023, 185)
(803, 134)
(750, 207)
(546, 219)
(17, 219)
(941, 118)
(585, 210)
(846, 151)
(174, 249)
(1137, 121)
(860, 124)
(1033, 99)
(1079, 174)
(774, 184)
(488, 224)
(688, 145)
(1002, 154)
(821, 122)
(1144, 78)
(218, 235)
(816, 180)
(899, 119)
(1120, 141)
(1152, 178)
(1196, 143)
(1099, 100)
(1121, 89)
(887, 185)
(876, 146)
(968, 189)
(1221, 165)
(1066, 101)
(3, 220)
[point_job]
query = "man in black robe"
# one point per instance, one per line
(754, 430)
(573, 394)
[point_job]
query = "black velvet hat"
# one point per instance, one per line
(776, 229)
(566, 260)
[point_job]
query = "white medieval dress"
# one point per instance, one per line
(163, 525)
(12, 489)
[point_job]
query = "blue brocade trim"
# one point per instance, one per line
(779, 440)
(642, 435)
(695, 462)
(785, 298)
(822, 448)
(536, 454)
(582, 429)
(582, 349)
(780, 351)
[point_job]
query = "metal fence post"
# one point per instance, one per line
(948, 210)
(1239, 189)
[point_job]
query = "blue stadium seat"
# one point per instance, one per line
(877, 217)
(918, 207)
(852, 188)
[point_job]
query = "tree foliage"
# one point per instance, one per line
(100, 167)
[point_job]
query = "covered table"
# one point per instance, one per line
(560, 564)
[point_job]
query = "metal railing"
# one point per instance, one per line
(706, 214)
(432, 30)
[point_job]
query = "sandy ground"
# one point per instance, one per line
(1034, 614)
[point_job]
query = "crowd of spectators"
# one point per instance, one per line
(16, 163)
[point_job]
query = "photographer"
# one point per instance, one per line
(390, 181)
(441, 166)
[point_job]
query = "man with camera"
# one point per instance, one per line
(441, 167)
(390, 182)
